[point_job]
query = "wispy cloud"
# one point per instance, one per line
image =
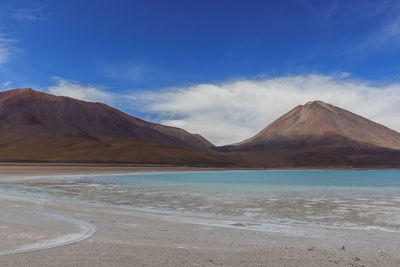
(235, 110)
(388, 35)
(376, 24)
(28, 14)
(86, 92)
(387, 32)
(6, 46)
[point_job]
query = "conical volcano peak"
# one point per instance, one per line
(317, 120)
(315, 102)
(318, 104)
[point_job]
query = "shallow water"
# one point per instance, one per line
(358, 199)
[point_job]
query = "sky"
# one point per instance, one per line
(221, 68)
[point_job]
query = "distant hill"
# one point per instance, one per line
(35, 126)
(320, 134)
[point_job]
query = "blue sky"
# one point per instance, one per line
(127, 49)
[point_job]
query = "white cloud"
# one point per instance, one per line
(4, 54)
(73, 89)
(233, 111)
(5, 48)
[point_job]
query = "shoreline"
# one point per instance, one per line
(32, 169)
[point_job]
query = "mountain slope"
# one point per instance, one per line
(44, 127)
(321, 134)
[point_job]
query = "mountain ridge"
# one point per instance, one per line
(68, 109)
(39, 126)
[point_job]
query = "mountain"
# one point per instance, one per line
(42, 127)
(320, 134)
(35, 126)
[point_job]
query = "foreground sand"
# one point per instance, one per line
(127, 237)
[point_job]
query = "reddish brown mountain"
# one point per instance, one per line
(44, 127)
(321, 134)
(36, 126)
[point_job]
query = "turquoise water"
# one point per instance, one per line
(264, 182)
(266, 177)
(360, 199)
(258, 199)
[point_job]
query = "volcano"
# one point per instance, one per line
(321, 134)
(36, 126)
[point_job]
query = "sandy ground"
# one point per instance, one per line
(127, 237)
